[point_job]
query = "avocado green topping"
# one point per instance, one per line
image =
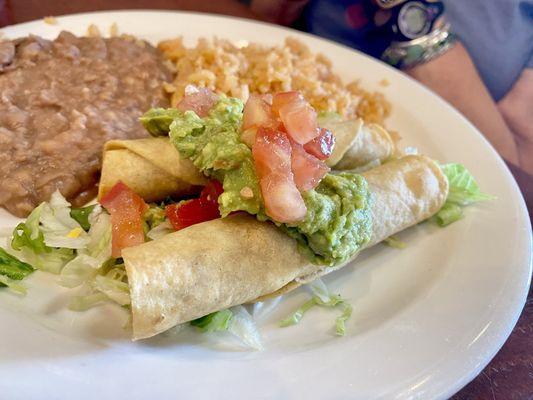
(338, 221)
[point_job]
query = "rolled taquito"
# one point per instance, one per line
(152, 167)
(358, 144)
(222, 263)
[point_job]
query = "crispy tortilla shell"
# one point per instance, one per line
(359, 147)
(226, 262)
(152, 167)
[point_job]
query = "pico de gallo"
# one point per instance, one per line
(267, 157)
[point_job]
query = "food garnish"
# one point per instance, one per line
(327, 213)
(190, 212)
(126, 209)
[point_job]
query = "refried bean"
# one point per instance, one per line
(60, 101)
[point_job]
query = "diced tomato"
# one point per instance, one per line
(322, 146)
(271, 151)
(257, 113)
(272, 157)
(299, 118)
(281, 99)
(248, 136)
(195, 211)
(267, 97)
(189, 213)
(211, 192)
(200, 102)
(283, 201)
(126, 209)
(307, 169)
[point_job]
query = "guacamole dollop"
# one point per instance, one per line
(338, 221)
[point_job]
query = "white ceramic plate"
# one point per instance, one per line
(426, 319)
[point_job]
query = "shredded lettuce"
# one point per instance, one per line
(54, 261)
(297, 315)
(243, 326)
(152, 219)
(27, 234)
(58, 227)
(81, 269)
(95, 213)
(160, 230)
(75, 243)
(449, 213)
(321, 297)
(114, 284)
(49, 237)
(99, 245)
(393, 241)
(28, 244)
(104, 287)
(12, 267)
(81, 216)
(236, 321)
(155, 215)
(13, 270)
(463, 190)
(340, 327)
(217, 321)
(12, 284)
(51, 261)
(262, 309)
(98, 251)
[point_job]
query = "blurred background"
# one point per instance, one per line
(476, 54)
(27, 10)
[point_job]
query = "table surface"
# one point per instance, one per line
(509, 376)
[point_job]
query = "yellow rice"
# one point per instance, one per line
(240, 70)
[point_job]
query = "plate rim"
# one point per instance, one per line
(520, 299)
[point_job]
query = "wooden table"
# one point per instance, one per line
(509, 376)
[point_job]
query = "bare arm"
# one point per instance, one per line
(454, 77)
(517, 110)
